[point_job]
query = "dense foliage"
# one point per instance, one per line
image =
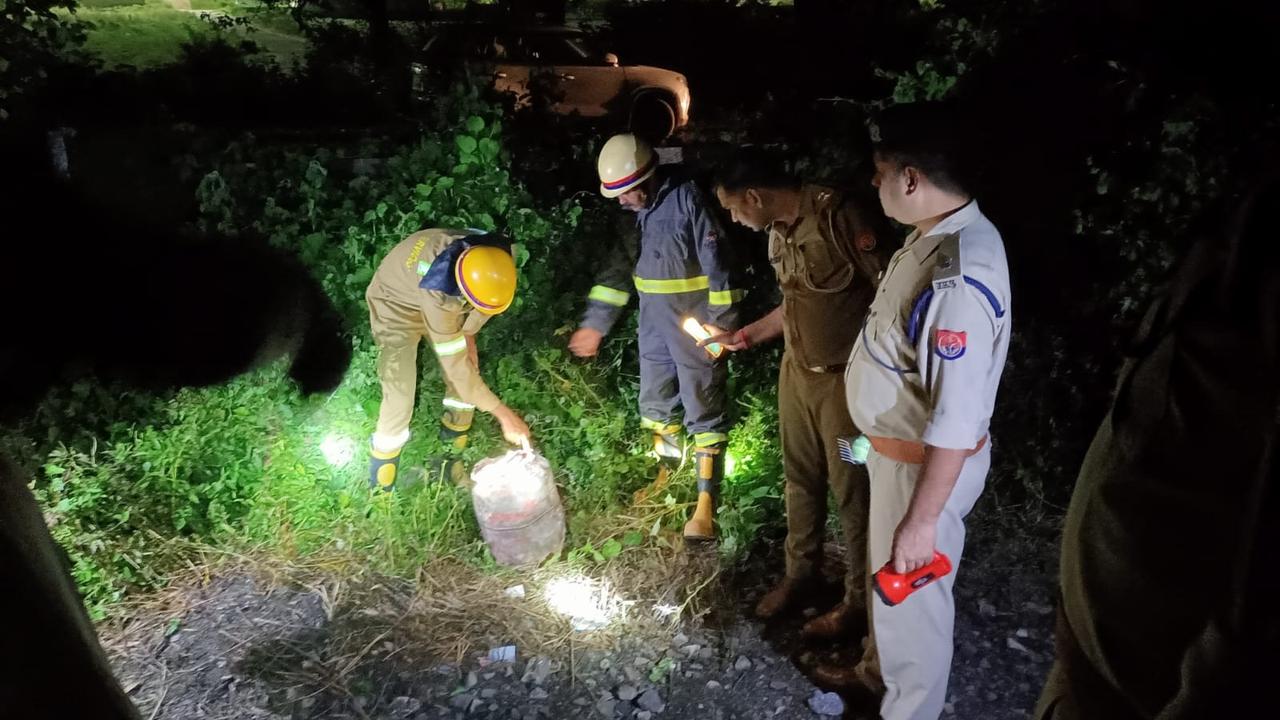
(1095, 195)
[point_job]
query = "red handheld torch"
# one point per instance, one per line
(893, 588)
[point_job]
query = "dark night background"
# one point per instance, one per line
(208, 190)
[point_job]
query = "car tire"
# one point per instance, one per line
(653, 116)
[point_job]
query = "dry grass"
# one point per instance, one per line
(449, 612)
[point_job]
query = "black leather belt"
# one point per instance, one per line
(828, 368)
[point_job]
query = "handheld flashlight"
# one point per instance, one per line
(698, 332)
(894, 588)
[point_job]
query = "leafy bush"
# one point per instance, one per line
(35, 37)
(242, 464)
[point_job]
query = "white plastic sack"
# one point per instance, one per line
(518, 508)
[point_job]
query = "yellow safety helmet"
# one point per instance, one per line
(487, 277)
(625, 162)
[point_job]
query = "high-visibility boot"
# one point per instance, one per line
(384, 459)
(455, 423)
(710, 460)
(666, 446)
(383, 469)
(455, 426)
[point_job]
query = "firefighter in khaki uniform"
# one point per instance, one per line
(921, 385)
(826, 250)
(443, 285)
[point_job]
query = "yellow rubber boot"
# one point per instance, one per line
(383, 468)
(454, 434)
(701, 527)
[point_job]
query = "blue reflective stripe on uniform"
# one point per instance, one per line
(986, 291)
(871, 353)
(921, 306)
(450, 347)
(609, 296)
(918, 309)
(726, 297)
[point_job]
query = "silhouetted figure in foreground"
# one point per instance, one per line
(1170, 601)
(84, 294)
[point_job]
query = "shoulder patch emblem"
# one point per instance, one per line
(950, 344)
(866, 242)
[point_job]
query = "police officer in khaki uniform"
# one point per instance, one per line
(826, 249)
(443, 285)
(921, 385)
(1170, 605)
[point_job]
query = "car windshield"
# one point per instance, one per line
(550, 49)
(535, 48)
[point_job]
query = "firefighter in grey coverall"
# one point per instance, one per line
(681, 271)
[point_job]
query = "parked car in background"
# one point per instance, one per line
(557, 68)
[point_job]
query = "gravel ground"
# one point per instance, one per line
(236, 648)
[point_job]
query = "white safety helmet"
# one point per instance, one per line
(625, 162)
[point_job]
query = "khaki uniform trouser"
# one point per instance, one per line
(913, 640)
(397, 329)
(812, 413)
(1074, 690)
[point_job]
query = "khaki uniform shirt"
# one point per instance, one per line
(447, 319)
(927, 363)
(828, 262)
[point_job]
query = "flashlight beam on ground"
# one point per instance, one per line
(337, 450)
(589, 605)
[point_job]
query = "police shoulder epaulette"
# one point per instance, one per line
(948, 270)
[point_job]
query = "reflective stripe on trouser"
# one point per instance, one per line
(914, 639)
(458, 415)
(396, 329)
(666, 445)
(675, 372)
(812, 413)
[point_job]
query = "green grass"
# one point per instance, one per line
(150, 33)
(144, 35)
(103, 4)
